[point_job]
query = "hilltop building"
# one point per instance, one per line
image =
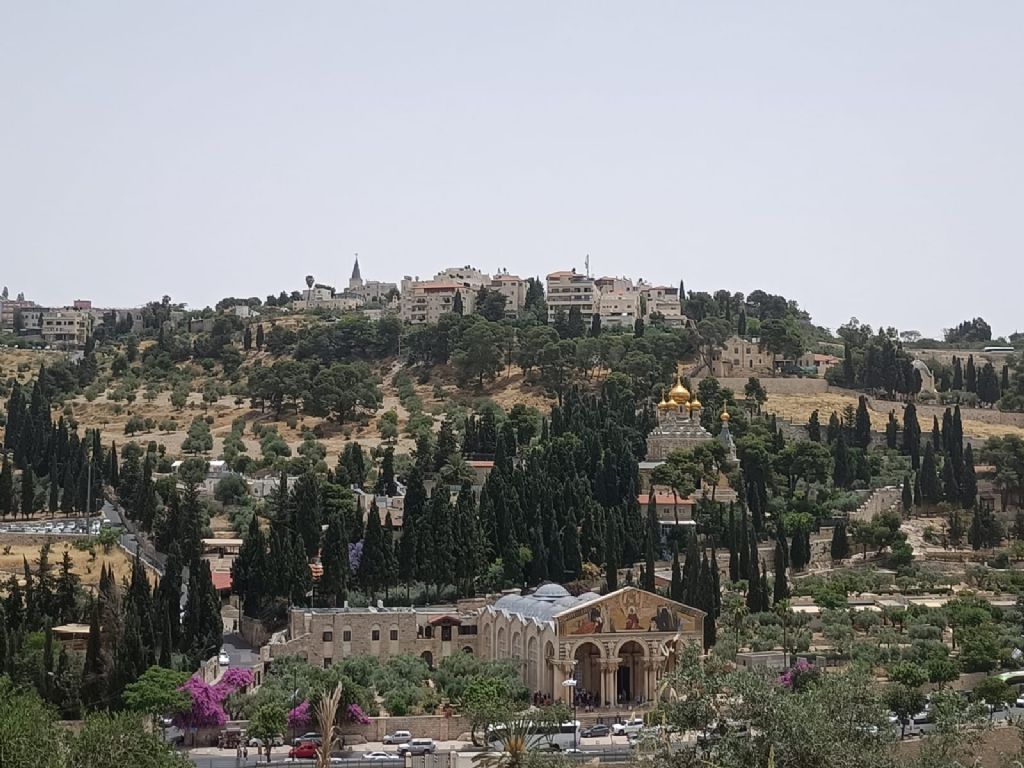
(678, 426)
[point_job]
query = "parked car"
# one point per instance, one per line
(416, 747)
(398, 737)
(628, 727)
(304, 751)
(1020, 700)
(596, 731)
(222, 658)
(277, 741)
(380, 756)
(308, 736)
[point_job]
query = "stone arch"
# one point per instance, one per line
(517, 646)
(589, 658)
(488, 641)
(428, 657)
(467, 649)
(502, 649)
(631, 676)
(532, 665)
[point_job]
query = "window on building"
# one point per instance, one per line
(446, 634)
(375, 635)
(428, 632)
(328, 637)
(394, 635)
(328, 661)
(467, 629)
(346, 635)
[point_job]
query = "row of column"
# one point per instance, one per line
(609, 669)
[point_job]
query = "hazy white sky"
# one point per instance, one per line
(862, 157)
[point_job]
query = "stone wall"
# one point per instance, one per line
(436, 727)
(253, 631)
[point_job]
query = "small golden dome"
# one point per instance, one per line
(695, 404)
(665, 405)
(725, 415)
(679, 393)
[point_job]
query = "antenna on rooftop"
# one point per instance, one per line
(586, 263)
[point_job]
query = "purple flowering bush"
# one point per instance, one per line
(799, 676)
(300, 717)
(207, 708)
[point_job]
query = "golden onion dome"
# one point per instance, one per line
(725, 415)
(679, 393)
(665, 405)
(695, 404)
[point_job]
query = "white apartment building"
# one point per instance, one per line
(423, 302)
(567, 289)
(619, 308)
(663, 300)
(513, 288)
(467, 277)
(65, 326)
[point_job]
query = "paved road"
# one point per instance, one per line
(239, 651)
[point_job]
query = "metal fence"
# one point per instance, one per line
(436, 760)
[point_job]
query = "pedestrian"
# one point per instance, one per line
(245, 752)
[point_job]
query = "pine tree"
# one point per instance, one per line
(612, 550)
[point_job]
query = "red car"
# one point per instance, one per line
(305, 751)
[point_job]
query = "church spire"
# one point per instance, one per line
(355, 270)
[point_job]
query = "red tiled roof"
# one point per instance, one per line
(221, 580)
(447, 619)
(485, 464)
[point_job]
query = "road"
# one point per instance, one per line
(239, 652)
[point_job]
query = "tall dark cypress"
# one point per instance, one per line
(652, 535)
(93, 672)
(969, 481)
(781, 587)
(676, 588)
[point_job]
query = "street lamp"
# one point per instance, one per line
(570, 685)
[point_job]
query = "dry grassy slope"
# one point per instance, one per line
(798, 408)
(14, 548)
(110, 417)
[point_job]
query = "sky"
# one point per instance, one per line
(864, 158)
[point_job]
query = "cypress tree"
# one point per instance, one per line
(249, 577)
(611, 552)
(928, 474)
(969, 481)
(372, 565)
(93, 672)
(412, 513)
(28, 493)
(781, 587)
(970, 375)
(53, 504)
(911, 435)
(247, 338)
(334, 558)
(891, 431)
(390, 561)
(814, 427)
(259, 337)
(691, 572)
(950, 488)
(6, 488)
(754, 589)
(707, 602)
(840, 548)
(652, 533)
(305, 503)
(917, 489)
(862, 425)
(907, 497)
(1004, 382)
(958, 375)
(842, 471)
(457, 307)
(940, 437)
(676, 589)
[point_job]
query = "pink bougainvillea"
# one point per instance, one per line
(207, 708)
(356, 715)
(300, 716)
(235, 679)
(799, 675)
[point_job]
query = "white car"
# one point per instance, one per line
(380, 756)
(223, 659)
(630, 727)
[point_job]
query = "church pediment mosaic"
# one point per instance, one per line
(629, 610)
